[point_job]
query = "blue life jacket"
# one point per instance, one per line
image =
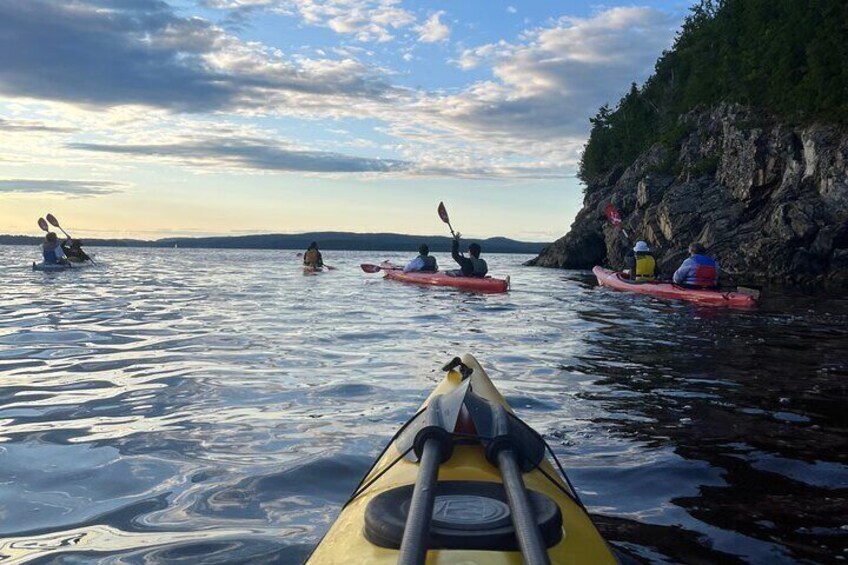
(430, 265)
(49, 254)
(705, 273)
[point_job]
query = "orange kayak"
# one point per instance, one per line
(477, 284)
(614, 280)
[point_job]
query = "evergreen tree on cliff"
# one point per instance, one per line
(787, 57)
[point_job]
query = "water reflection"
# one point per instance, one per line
(217, 407)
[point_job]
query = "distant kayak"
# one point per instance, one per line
(480, 463)
(55, 267)
(477, 284)
(614, 280)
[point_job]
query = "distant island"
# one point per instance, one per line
(337, 241)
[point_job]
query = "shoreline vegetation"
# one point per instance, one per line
(334, 241)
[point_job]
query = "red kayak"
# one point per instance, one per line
(670, 290)
(477, 284)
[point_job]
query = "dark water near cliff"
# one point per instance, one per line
(193, 406)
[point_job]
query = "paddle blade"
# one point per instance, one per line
(613, 215)
(52, 219)
(443, 213)
(329, 267)
(43, 224)
(369, 268)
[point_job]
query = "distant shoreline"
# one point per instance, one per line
(331, 241)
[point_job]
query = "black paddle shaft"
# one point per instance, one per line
(416, 533)
(523, 518)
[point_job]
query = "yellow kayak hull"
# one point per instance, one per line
(345, 542)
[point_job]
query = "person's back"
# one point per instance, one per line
(312, 257)
(424, 262)
(74, 252)
(699, 270)
(643, 266)
(51, 250)
(472, 266)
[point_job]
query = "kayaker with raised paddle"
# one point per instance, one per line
(424, 262)
(699, 270)
(472, 266)
(641, 263)
(312, 258)
(52, 251)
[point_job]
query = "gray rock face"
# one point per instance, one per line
(769, 201)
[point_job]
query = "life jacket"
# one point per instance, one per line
(705, 274)
(646, 267)
(429, 264)
(49, 254)
(310, 258)
(480, 267)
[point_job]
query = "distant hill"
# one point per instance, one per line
(326, 240)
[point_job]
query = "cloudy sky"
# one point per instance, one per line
(150, 118)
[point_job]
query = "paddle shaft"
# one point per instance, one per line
(523, 519)
(416, 532)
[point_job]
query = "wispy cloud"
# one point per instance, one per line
(433, 30)
(30, 126)
(248, 153)
(363, 20)
(59, 186)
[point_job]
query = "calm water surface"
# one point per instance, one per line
(191, 406)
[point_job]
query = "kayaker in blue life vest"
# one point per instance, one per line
(641, 263)
(424, 262)
(312, 258)
(469, 266)
(699, 270)
(52, 251)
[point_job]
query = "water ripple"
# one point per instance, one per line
(194, 406)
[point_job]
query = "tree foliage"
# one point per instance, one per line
(787, 57)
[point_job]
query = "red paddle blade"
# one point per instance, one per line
(52, 219)
(443, 213)
(43, 225)
(613, 215)
(369, 268)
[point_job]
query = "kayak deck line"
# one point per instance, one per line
(706, 297)
(497, 498)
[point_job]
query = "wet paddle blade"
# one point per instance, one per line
(369, 268)
(43, 224)
(443, 213)
(52, 219)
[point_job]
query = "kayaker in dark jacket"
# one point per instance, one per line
(469, 266)
(312, 257)
(424, 262)
(699, 270)
(74, 251)
(642, 265)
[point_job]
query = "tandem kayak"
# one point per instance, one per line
(55, 267)
(464, 481)
(478, 284)
(614, 280)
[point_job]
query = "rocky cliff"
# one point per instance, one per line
(769, 201)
